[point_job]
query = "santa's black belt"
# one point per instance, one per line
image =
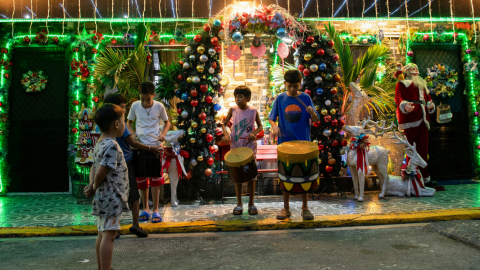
(416, 101)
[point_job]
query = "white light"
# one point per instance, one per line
(125, 16)
(27, 16)
(271, 48)
(287, 40)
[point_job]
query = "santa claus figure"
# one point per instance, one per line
(414, 106)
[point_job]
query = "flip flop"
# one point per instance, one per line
(138, 231)
(307, 215)
(156, 215)
(252, 210)
(284, 214)
(145, 215)
(238, 210)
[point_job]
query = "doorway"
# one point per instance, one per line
(38, 138)
(449, 146)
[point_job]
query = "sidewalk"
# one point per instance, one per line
(18, 214)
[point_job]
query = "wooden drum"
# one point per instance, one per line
(298, 166)
(241, 165)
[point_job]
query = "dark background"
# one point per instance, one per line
(440, 8)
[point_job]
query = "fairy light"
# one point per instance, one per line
(453, 23)
(33, 13)
(95, 8)
(13, 13)
(418, 10)
(474, 23)
(64, 10)
(396, 10)
(79, 17)
(48, 15)
(338, 10)
(370, 7)
(173, 11)
(430, 11)
(111, 28)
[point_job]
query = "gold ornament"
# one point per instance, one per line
(203, 130)
(308, 56)
(174, 122)
(319, 161)
(201, 49)
(333, 111)
(314, 45)
(200, 158)
(324, 112)
(317, 108)
(194, 124)
(192, 140)
(189, 80)
(331, 161)
(225, 81)
(200, 68)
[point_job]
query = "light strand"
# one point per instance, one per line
(418, 10)
(430, 11)
(338, 10)
(31, 21)
(64, 10)
(143, 14)
(111, 28)
(48, 15)
(193, 12)
(128, 15)
(474, 23)
(63, 22)
(79, 17)
(95, 16)
(13, 14)
(453, 23)
(363, 10)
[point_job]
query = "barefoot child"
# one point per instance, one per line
(125, 141)
(147, 114)
(110, 184)
(293, 124)
(243, 135)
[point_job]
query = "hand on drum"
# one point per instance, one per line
(88, 190)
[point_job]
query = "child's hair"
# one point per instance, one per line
(116, 99)
(243, 90)
(147, 88)
(292, 76)
(106, 115)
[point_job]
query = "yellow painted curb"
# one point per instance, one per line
(258, 224)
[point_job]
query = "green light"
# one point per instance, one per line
(422, 19)
(105, 20)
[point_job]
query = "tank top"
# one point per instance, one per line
(243, 125)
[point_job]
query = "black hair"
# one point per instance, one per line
(106, 115)
(147, 88)
(243, 90)
(116, 99)
(292, 76)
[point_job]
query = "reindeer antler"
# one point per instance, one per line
(382, 128)
(405, 142)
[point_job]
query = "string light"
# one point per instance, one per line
(33, 13)
(336, 12)
(138, 9)
(453, 23)
(430, 11)
(173, 11)
(474, 23)
(95, 9)
(64, 10)
(399, 7)
(111, 28)
(420, 9)
(370, 7)
(63, 22)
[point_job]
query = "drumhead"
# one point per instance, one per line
(239, 157)
(297, 151)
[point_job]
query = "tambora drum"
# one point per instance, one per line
(298, 166)
(241, 165)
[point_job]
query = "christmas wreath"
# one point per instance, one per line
(34, 81)
(442, 79)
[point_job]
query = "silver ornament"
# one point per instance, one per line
(203, 58)
(216, 148)
(296, 55)
(342, 151)
(219, 77)
(188, 50)
(186, 65)
(318, 79)
(215, 81)
(211, 70)
(314, 45)
(327, 132)
(184, 114)
(211, 52)
(313, 68)
(196, 79)
(215, 99)
(328, 102)
(193, 162)
(192, 57)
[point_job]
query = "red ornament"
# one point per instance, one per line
(208, 172)
(75, 102)
(456, 35)
(316, 124)
(214, 65)
(189, 175)
(477, 114)
(210, 161)
(74, 130)
(214, 41)
(329, 169)
(193, 92)
(327, 118)
(211, 149)
(344, 142)
(308, 92)
(202, 116)
(335, 57)
(310, 39)
(204, 88)
(75, 50)
(26, 39)
(181, 62)
(333, 91)
(113, 41)
(206, 27)
(301, 67)
(218, 48)
(180, 78)
(334, 122)
(171, 42)
(179, 111)
(478, 147)
(320, 52)
(331, 43)
(1, 104)
(294, 45)
(341, 123)
(208, 99)
(197, 38)
(410, 53)
(95, 99)
(337, 78)
(426, 37)
(209, 137)
(194, 103)
(55, 39)
(220, 90)
(321, 147)
(335, 143)
(306, 71)
(6, 75)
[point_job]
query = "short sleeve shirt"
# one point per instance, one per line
(293, 118)
(110, 198)
(122, 142)
(147, 121)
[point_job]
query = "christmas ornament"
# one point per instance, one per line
(314, 45)
(197, 38)
(217, 107)
(33, 81)
(330, 43)
(211, 52)
(468, 51)
(186, 66)
(174, 122)
(75, 102)
(184, 114)
(341, 123)
(217, 23)
(193, 161)
(200, 68)
(192, 57)
(95, 99)
(296, 55)
(189, 175)
(306, 72)
(194, 103)
(333, 91)
(188, 50)
(322, 66)
(335, 143)
(337, 77)
(200, 49)
(180, 78)
(310, 39)
(320, 52)
(221, 34)
(335, 57)
(320, 148)
(194, 124)
(308, 92)
(327, 132)
(216, 148)
(218, 48)
(319, 91)
(328, 102)
(342, 151)
(203, 130)
(193, 92)
(410, 53)
(211, 149)
(317, 124)
(74, 130)
(314, 68)
(210, 161)
(308, 56)
(211, 70)
(214, 41)
(208, 99)
(324, 112)
(327, 118)
(318, 80)
(26, 39)
(331, 161)
(344, 143)
(189, 80)
(184, 96)
(206, 27)
(426, 37)
(301, 67)
(328, 169)
(203, 58)
(196, 79)
(208, 172)
(94, 51)
(328, 76)
(203, 88)
(171, 41)
(332, 111)
(334, 122)
(281, 32)
(215, 81)
(237, 36)
(209, 137)
(200, 158)
(202, 116)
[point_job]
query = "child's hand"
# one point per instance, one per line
(310, 110)
(252, 137)
(155, 150)
(276, 131)
(88, 190)
(161, 137)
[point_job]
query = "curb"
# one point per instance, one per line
(258, 224)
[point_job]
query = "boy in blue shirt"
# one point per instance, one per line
(125, 142)
(295, 112)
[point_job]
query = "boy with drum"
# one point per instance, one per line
(243, 135)
(295, 112)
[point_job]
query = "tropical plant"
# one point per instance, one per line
(364, 71)
(168, 82)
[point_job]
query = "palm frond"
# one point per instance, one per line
(368, 59)
(344, 53)
(368, 78)
(277, 73)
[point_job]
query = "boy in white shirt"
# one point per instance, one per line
(147, 114)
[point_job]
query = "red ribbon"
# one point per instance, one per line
(362, 149)
(417, 179)
(168, 155)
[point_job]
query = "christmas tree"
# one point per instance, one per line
(199, 85)
(317, 61)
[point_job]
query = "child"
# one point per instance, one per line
(292, 127)
(243, 126)
(147, 114)
(125, 141)
(110, 184)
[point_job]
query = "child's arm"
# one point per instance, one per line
(275, 128)
(253, 135)
(132, 142)
(100, 175)
(88, 190)
(227, 119)
(131, 129)
(165, 130)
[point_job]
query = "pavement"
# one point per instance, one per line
(407, 246)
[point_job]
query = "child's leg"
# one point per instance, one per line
(156, 198)
(286, 200)
(304, 201)
(136, 212)
(144, 194)
(238, 192)
(106, 249)
(97, 249)
(251, 192)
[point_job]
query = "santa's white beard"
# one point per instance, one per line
(419, 82)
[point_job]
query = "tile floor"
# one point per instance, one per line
(62, 210)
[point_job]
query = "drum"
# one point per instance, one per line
(241, 165)
(298, 166)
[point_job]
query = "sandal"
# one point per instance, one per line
(156, 215)
(138, 231)
(307, 215)
(238, 210)
(252, 210)
(145, 215)
(284, 214)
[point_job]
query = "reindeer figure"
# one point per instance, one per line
(397, 186)
(376, 156)
(360, 98)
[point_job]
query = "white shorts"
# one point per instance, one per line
(108, 223)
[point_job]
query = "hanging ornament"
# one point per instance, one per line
(189, 80)
(200, 49)
(308, 56)
(184, 115)
(258, 52)
(283, 52)
(306, 72)
(331, 43)
(194, 124)
(193, 92)
(333, 111)
(320, 52)
(208, 99)
(426, 37)
(211, 70)
(327, 118)
(210, 161)
(203, 130)
(194, 103)
(324, 112)
(328, 169)
(215, 81)
(410, 53)
(208, 172)
(209, 137)
(341, 123)
(337, 77)
(320, 148)
(317, 124)
(200, 68)
(26, 39)
(206, 27)
(335, 57)
(203, 58)
(95, 99)
(217, 107)
(192, 57)
(196, 79)
(75, 102)
(333, 91)
(328, 76)
(319, 91)
(318, 80)
(184, 96)
(233, 53)
(296, 55)
(174, 122)
(332, 161)
(327, 132)
(218, 48)
(197, 38)
(211, 149)
(221, 34)
(328, 102)
(237, 36)
(211, 52)
(314, 45)
(214, 41)
(310, 39)
(74, 130)
(468, 51)
(180, 78)
(322, 66)
(281, 33)
(308, 92)
(203, 88)
(200, 158)
(344, 143)
(313, 68)
(334, 122)
(301, 67)
(188, 50)
(202, 116)
(186, 66)
(217, 23)
(193, 161)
